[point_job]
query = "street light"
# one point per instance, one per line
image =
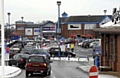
(23, 29)
(58, 3)
(89, 24)
(9, 26)
(39, 29)
(105, 14)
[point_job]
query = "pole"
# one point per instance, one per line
(58, 21)
(2, 40)
(89, 25)
(59, 3)
(9, 26)
(105, 14)
(39, 28)
(23, 29)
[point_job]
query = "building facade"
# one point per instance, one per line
(110, 42)
(82, 24)
(29, 29)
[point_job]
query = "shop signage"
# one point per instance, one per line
(48, 28)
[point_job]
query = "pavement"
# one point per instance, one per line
(10, 71)
(85, 66)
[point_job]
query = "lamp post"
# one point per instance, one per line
(2, 40)
(89, 24)
(9, 26)
(105, 14)
(23, 28)
(58, 3)
(38, 29)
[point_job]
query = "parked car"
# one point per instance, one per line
(40, 52)
(38, 64)
(86, 44)
(54, 52)
(95, 43)
(16, 47)
(26, 50)
(19, 60)
(12, 53)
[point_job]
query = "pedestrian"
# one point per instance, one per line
(72, 47)
(68, 47)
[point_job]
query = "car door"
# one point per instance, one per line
(14, 60)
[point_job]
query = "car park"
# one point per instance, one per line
(38, 64)
(19, 60)
(16, 47)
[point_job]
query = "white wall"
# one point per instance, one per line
(89, 26)
(36, 31)
(28, 31)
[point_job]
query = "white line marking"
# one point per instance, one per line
(53, 75)
(93, 74)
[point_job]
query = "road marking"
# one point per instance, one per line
(52, 74)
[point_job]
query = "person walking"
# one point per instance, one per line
(72, 47)
(68, 47)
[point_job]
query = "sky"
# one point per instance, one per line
(39, 10)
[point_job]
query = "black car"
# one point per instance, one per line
(54, 52)
(38, 64)
(19, 60)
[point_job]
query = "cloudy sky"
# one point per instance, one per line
(39, 10)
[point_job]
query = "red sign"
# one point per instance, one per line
(7, 49)
(93, 72)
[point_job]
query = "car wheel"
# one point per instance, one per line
(49, 73)
(10, 64)
(27, 74)
(45, 73)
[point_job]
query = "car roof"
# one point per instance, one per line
(37, 55)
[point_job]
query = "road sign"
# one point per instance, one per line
(93, 72)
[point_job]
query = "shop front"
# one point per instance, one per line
(49, 31)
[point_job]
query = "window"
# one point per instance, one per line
(89, 26)
(111, 48)
(74, 26)
(36, 59)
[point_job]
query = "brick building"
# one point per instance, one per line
(81, 24)
(29, 29)
(110, 42)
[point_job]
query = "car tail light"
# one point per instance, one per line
(28, 64)
(44, 64)
(21, 60)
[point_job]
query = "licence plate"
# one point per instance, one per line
(35, 64)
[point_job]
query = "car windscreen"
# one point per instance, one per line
(36, 59)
